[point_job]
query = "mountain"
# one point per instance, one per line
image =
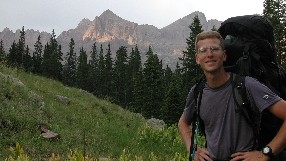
(168, 42)
(31, 36)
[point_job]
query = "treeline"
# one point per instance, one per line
(141, 87)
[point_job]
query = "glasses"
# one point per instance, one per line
(213, 49)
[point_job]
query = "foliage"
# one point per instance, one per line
(78, 155)
(166, 135)
(17, 154)
(275, 11)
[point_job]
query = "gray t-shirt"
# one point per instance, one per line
(226, 129)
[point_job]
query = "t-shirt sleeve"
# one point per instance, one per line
(262, 96)
(190, 106)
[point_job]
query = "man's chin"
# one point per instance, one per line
(211, 70)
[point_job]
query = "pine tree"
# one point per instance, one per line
(108, 89)
(19, 57)
(37, 56)
(27, 60)
(275, 11)
(101, 72)
(58, 63)
(82, 71)
(70, 66)
(134, 65)
(93, 70)
(52, 59)
(178, 77)
(168, 74)
(2, 53)
(152, 75)
(190, 70)
(120, 76)
(11, 57)
(172, 104)
(137, 104)
(174, 98)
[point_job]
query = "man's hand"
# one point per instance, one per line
(249, 156)
(202, 155)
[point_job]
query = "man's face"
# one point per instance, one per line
(210, 56)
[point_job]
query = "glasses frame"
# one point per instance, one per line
(213, 49)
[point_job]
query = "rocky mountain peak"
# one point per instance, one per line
(84, 22)
(109, 15)
(6, 29)
(108, 27)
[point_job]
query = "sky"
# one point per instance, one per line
(62, 15)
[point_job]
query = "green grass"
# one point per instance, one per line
(94, 126)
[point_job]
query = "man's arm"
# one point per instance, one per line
(185, 131)
(279, 141)
(277, 144)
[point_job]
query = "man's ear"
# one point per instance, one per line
(197, 60)
(224, 56)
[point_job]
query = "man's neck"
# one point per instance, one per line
(217, 79)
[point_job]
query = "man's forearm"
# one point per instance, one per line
(185, 132)
(279, 141)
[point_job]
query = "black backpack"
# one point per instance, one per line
(249, 44)
(250, 49)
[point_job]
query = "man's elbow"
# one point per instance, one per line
(182, 122)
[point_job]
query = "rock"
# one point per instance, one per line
(63, 99)
(156, 123)
(45, 133)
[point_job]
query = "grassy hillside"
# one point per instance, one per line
(96, 127)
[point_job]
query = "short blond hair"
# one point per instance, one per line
(209, 34)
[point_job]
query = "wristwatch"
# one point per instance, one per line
(268, 151)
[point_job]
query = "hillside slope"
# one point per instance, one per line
(30, 103)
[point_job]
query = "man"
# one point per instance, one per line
(228, 135)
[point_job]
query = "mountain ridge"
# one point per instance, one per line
(167, 42)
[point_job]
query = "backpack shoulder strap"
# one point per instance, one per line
(239, 91)
(197, 126)
(244, 105)
(198, 92)
(199, 89)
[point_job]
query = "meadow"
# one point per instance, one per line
(88, 128)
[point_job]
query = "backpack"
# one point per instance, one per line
(249, 45)
(250, 41)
